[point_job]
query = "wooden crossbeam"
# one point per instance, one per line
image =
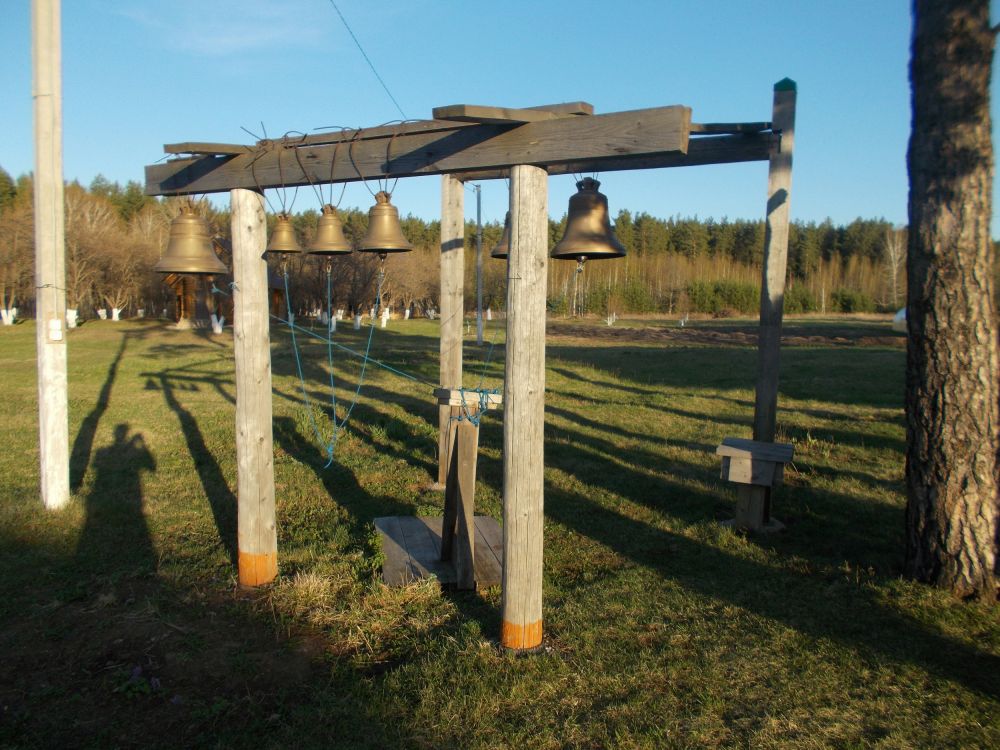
(499, 115)
(189, 147)
(727, 149)
(435, 149)
(721, 128)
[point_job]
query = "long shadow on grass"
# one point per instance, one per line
(850, 375)
(851, 529)
(339, 480)
(220, 498)
(849, 615)
(84, 442)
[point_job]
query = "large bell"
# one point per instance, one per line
(384, 234)
(589, 235)
(502, 250)
(283, 239)
(189, 249)
(329, 239)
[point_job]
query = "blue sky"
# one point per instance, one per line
(141, 73)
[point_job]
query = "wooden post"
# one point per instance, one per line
(772, 289)
(50, 256)
(258, 541)
(524, 410)
(452, 306)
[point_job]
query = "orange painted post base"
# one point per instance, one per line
(257, 569)
(521, 637)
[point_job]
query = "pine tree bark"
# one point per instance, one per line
(952, 408)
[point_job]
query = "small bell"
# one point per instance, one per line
(283, 239)
(329, 239)
(502, 250)
(588, 235)
(384, 234)
(189, 249)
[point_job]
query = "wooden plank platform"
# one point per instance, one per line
(412, 546)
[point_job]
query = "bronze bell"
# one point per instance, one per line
(589, 235)
(502, 250)
(283, 239)
(384, 234)
(189, 249)
(329, 239)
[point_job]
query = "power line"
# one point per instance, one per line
(367, 59)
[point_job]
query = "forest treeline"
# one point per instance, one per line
(115, 234)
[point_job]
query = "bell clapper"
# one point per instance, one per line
(579, 264)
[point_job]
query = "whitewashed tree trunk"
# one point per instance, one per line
(357, 322)
(72, 315)
(102, 313)
(116, 313)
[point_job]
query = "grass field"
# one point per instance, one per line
(121, 624)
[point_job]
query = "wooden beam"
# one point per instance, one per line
(50, 255)
(205, 148)
(524, 410)
(725, 149)
(457, 149)
(482, 114)
(452, 306)
(718, 128)
(772, 290)
(257, 526)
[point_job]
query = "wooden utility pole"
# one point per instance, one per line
(50, 255)
(258, 540)
(524, 409)
(452, 306)
(772, 290)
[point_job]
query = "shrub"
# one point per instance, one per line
(798, 299)
(715, 297)
(850, 301)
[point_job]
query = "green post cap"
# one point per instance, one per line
(785, 84)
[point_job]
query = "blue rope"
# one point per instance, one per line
(357, 354)
(489, 356)
(305, 393)
(329, 344)
(484, 404)
(365, 359)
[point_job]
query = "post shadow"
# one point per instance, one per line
(857, 618)
(84, 442)
(115, 539)
(221, 499)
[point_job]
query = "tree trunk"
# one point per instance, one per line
(952, 363)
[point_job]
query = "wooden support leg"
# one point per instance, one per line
(467, 447)
(458, 528)
(450, 490)
(446, 421)
(752, 506)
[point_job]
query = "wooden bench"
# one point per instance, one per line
(756, 468)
